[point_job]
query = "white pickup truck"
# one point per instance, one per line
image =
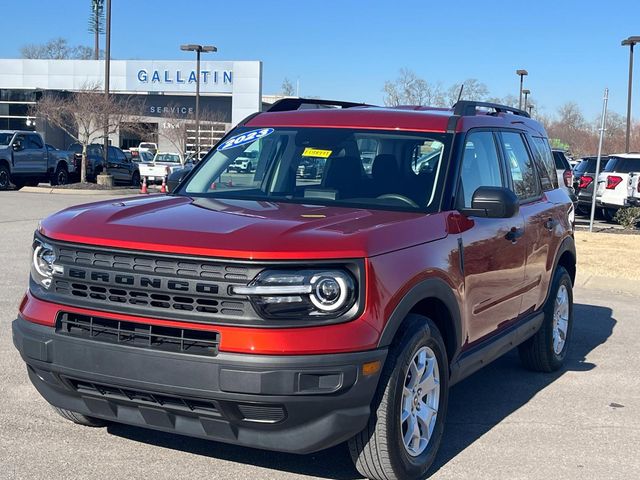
(163, 165)
(26, 160)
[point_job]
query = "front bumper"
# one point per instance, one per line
(297, 404)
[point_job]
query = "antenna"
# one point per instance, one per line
(460, 92)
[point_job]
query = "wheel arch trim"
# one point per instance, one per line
(431, 288)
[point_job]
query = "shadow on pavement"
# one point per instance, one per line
(476, 405)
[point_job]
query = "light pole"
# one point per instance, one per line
(106, 178)
(191, 47)
(631, 41)
(526, 93)
(521, 74)
(530, 108)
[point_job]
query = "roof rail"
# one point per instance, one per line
(289, 104)
(469, 107)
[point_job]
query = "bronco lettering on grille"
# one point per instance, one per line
(140, 281)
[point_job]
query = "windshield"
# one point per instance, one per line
(360, 168)
(167, 158)
(5, 138)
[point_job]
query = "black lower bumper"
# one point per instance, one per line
(298, 404)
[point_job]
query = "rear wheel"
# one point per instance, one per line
(408, 412)
(79, 418)
(4, 178)
(608, 214)
(135, 179)
(547, 349)
(61, 176)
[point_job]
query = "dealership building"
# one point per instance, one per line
(165, 90)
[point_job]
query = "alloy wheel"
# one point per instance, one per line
(560, 319)
(420, 401)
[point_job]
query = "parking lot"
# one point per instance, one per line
(503, 422)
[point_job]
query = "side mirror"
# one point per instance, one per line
(493, 202)
(17, 146)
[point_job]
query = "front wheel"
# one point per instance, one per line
(5, 181)
(80, 419)
(547, 349)
(404, 432)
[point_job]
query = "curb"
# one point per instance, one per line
(71, 191)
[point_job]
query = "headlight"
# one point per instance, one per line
(297, 293)
(43, 263)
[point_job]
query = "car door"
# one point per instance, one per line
(21, 155)
(494, 264)
(37, 154)
(539, 214)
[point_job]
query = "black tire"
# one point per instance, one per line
(537, 353)
(135, 179)
(608, 214)
(378, 452)
(79, 418)
(5, 178)
(583, 211)
(60, 176)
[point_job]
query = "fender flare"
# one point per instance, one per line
(567, 245)
(6, 163)
(430, 288)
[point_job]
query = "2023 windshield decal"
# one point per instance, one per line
(244, 138)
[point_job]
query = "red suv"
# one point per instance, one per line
(287, 313)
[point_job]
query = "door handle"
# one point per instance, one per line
(550, 224)
(514, 234)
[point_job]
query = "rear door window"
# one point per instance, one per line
(526, 183)
(544, 161)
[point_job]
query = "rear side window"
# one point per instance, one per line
(622, 165)
(480, 166)
(561, 161)
(525, 179)
(544, 161)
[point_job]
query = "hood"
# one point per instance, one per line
(241, 229)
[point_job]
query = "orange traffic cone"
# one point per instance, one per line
(144, 185)
(163, 188)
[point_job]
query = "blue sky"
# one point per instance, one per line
(346, 49)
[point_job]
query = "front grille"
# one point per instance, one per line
(156, 285)
(110, 392)
(169, 339)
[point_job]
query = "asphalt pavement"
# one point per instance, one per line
(503, 423)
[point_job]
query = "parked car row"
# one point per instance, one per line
(616, 185)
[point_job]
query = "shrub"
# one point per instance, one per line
(628, 217)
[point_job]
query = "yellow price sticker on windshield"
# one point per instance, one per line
(316, 152)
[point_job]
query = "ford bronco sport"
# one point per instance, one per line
(294, 314)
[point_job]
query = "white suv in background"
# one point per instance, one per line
(613, 182)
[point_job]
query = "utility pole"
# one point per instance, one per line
(595, 180)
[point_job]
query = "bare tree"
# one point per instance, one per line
(409, 89)
(287, 88)
(85, 115)
(473, 90)
(57, 49)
